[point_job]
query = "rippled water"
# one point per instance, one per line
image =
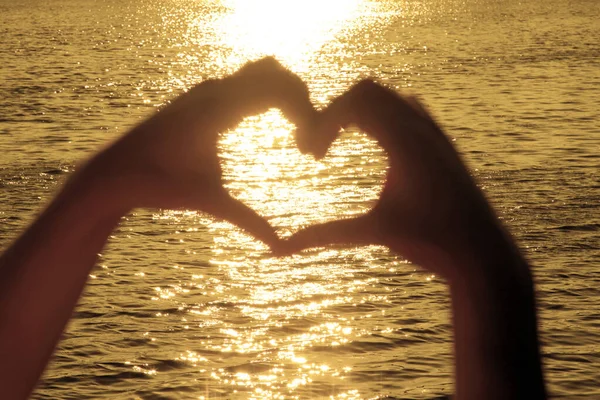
(183, 306)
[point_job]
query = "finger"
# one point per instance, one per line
(316, 138)
(418, 106)
(266, 84)
(253, 89)
(398, 123)
(348, 232)
(232, 210)
(350, 108)
(260, 66)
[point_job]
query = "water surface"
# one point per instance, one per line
(184, 306)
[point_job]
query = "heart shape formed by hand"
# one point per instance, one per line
(429, 207)
(428, 194)
(314, 134)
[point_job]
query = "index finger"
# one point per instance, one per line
(381, 112)
(266, 83)
(253, 89)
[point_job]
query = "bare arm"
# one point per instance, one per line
(169, 161)
(431, 212)
(497, 351)
(42, 276)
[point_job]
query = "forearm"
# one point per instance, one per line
(42, 276)
(495, 324)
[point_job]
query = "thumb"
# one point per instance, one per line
(349, 232)
(232, 210)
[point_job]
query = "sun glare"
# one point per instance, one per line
(295, 33)
(290, 31)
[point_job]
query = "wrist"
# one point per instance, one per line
(495, 324)
(495, 333)
(97, 189)
(491, 256)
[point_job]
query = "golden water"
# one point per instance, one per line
(184, 306)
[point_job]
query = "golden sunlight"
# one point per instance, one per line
(290, 31)
(294, 33)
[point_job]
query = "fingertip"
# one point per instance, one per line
(289, 248)
(319, 153)
(244, 217)
(345, 232)
(302, 136)
(316, 138)
(280, 252)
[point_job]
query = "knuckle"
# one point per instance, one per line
(270, 62)
(366, 86)
(262, 66)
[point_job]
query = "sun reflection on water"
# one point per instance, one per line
(267, 315)
(291, 31)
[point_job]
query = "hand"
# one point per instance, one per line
(431, 212)
(170, 160)
(430, 209)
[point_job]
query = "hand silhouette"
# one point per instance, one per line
(170, 160)
(430, 208)
(431, 212)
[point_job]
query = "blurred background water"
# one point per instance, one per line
(184, 306)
